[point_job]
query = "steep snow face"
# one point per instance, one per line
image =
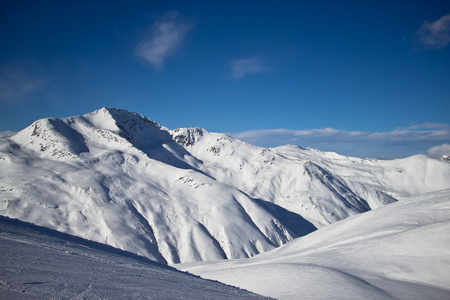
(400, 251)
(187, 194)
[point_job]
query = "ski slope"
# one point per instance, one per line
(38, 263)
(400, 251)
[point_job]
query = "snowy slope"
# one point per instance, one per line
(323, 187)
(187, 194)
(400, 251)
(38, 263)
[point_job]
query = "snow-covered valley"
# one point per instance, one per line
(188, 195)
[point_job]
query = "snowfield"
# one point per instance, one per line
(38, 263)
(400, 251)
(318, 224)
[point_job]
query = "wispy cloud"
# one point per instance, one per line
(440, 151)
(435, 35)
(241, 67)
(19, 81)
(165, 37)
(401, 142)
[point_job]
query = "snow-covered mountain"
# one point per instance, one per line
(400, 251)
(187, 194)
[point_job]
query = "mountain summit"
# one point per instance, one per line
(187, 194)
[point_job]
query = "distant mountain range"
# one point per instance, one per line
(185, 195)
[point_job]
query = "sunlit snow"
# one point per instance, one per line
(188, 195)
(400, 251)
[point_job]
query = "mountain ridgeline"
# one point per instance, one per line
(187, 195)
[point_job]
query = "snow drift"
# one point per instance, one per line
(400, 251)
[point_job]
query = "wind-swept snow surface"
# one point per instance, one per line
(189, 195)
(400, 251)
(37, 263)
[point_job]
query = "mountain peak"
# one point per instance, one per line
(186, 194)
(132, 126)
(115, 118)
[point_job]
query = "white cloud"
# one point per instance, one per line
(242, 67)
(401, 142)
(19, 81)
(166, 36)
(439, 151)
(435, 35)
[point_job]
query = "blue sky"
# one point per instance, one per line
(363, 78)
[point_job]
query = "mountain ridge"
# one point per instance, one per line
(189, 194)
